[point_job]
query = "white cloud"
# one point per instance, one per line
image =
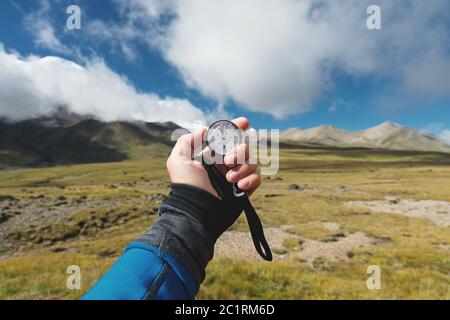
(438, 130)
(430, 74)
(338, 104)
(39, 24)
(34, 86)
(266, 55)
(278, 56)
(445, 136)
(139, 22)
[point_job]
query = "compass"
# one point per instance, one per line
(223, 136)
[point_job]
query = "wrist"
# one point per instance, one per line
(191, 220)
(199, 205)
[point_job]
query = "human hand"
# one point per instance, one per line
(184, 170)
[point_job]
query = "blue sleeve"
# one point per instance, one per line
(144, 272)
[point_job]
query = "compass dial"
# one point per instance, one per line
(223, 136)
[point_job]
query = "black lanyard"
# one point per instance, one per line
(229, 192)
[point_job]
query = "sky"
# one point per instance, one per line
(281, 63)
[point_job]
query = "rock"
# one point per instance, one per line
(320, 263)
(41, 196)
(158, 197)
(4, 217)
(332, 226)
(393, 200)
(294, 186)
(7, 198)
(39, 240)
(108, 253)
(70, 234)
(79, 200)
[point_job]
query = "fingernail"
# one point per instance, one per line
(243, 184)
(233, 176)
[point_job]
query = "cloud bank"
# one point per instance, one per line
(35, 86)
(280, 56)
(439, 131)
(445, 136)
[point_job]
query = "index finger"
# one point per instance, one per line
(242, 123)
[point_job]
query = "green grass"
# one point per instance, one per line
(413, 265)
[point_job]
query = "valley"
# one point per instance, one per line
(85, 214)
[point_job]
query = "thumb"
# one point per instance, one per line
(188, 144)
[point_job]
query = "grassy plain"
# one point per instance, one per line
(110, 204)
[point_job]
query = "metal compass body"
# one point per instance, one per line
(223, 136)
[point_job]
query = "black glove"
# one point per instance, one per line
(192, 219)
(234, 201)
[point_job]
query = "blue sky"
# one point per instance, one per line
(350, 89)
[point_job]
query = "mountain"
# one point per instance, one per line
(61, 117)
(388, 135)
(66, 138)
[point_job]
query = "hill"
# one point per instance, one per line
(67, 138)
(389, 136)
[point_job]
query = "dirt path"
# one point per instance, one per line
(239, 245)
(436, 211)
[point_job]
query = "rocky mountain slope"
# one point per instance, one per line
(67, 138)
(389, 135)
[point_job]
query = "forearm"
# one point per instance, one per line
(186, 229)
(169, 260)
(141, 274)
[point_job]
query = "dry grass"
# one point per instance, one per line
(411, 252)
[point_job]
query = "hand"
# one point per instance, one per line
(183, 170)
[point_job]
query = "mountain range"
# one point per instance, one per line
(64, 138)
(388, 135)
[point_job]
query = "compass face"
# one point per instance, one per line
(223, 136)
